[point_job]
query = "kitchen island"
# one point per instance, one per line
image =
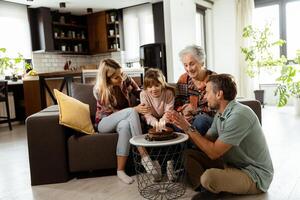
(136, 73)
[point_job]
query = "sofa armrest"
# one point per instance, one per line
(47, 147)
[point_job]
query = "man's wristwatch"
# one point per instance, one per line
(191, 128)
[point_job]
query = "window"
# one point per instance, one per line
(292, 28)
(268, 15)
(15, 33)
(200, 27)
(138, 30)
(284, 15)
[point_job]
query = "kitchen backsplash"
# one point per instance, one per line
(50, 62)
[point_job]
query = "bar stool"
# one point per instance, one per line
(4, 98)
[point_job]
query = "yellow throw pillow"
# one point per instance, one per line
(74, 113)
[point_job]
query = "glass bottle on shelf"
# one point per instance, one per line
(63, 47)
(79, 47)
(69, 34)
(82, 35)
(62, 19)
(111, 32)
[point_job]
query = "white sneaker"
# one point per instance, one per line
(158, 168)
(170, 171)
(151, 167)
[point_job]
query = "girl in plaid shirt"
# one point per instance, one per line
(115, 114)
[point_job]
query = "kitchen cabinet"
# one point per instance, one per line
(105, 31)
(97, 32)
(57, 32)
(69, 33)
(113, 27)
(32, 98)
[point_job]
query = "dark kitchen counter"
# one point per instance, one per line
(67, 78)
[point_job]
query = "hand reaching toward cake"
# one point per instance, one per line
(178, 120)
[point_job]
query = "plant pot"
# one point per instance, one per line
(297, 106)
(14, 78)
(259, 96)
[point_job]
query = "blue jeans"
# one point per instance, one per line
(202, 122)
(126, 123)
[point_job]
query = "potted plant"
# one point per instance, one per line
(259, 54)
(12, 64)
(289, 83)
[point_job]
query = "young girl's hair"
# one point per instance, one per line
(102, 88)
(154, 77)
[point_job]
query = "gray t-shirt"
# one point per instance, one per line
(240, 127)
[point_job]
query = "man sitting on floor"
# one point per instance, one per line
(233, 156)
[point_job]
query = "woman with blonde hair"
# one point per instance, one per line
(114, 113)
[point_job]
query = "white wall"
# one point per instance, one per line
(180, 19)
(221, 34)
(14, 29)
(224, 37)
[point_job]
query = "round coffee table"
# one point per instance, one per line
(167, 158)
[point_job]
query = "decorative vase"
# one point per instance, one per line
(14, 77)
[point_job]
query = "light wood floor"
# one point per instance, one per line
(281, 128)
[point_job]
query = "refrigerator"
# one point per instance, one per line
(153, 56)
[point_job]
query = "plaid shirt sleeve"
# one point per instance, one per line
(102, 111)
(182, 96)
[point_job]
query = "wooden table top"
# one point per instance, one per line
(60, 74)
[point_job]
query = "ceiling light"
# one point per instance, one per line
(89, 10)
(30, 0)
(62, 4)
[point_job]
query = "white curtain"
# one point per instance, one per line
(245, 10)
(138, 30)
(14, 29)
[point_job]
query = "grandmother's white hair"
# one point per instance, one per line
(196, 51)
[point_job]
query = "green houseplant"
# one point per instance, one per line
(12, 63)
(260, 53)
(289, 83)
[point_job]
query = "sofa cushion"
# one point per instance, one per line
(73, 113)
(84, 93)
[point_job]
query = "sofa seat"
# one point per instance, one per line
(90, 152)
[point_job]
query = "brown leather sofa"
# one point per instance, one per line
(58, 153)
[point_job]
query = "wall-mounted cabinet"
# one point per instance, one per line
(105, 31)
(69, 33)
(97, 32)
(113, 33)
(65, 33)
(58, 32)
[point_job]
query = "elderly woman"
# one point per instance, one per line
(190, 100)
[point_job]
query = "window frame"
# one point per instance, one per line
(201, 10)
(282, 19)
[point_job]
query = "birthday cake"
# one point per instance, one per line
(160, 135)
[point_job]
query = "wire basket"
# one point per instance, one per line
(165, 180)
